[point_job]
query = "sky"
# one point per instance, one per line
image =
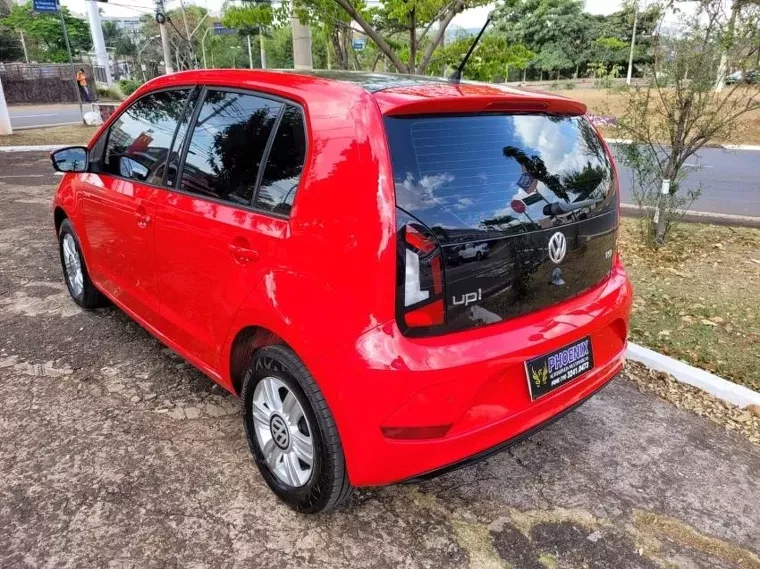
(468, 19)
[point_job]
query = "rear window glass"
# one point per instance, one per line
(504, 173)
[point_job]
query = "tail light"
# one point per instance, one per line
(420, 278)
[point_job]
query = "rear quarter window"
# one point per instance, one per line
(502, 173)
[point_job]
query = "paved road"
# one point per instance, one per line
(730, 181)
(41, 115)
(115, 453)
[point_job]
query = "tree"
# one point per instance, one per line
(184, 48)
(43, 32)
(490, 61)
(555, 29)
(678, 112)
(407, 32)
(117, 38)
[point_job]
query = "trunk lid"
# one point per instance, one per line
(523, 206)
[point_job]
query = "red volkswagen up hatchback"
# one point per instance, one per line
(397, 275)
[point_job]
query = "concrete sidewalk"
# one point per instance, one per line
(116, 453)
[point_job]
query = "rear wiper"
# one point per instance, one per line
(559, 208)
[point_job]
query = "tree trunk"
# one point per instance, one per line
(660, 220)
(525, 74)
(577, 70)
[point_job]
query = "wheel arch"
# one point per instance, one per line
(58, 216)
(244, 344)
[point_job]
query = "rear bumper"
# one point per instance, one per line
(467, 391)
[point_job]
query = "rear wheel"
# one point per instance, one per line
(75, 272)
(292, 433)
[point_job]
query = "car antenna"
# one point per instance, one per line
(457, 75)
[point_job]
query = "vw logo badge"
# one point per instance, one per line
(279, 432)
(557, 247)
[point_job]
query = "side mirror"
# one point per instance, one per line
(71, 159)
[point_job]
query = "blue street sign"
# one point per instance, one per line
(45, 5)
(359, 43)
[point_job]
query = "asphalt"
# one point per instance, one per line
(729, 180)
(25, 116)
(116, 453)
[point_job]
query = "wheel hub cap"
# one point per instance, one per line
(283, 432)
(279, 432)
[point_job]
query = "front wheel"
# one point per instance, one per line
(75, 272)
(292, 433)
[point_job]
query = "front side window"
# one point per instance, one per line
(139, 140)
(282, 171)
(227, 145)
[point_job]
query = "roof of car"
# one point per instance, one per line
(395, 93)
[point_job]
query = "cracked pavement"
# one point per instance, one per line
(116, 453)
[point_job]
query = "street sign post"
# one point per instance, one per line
(52, 6)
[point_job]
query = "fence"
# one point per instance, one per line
(43, 83)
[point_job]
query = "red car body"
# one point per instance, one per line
(214, 282)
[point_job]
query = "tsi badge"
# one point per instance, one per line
(466, 299)
(557, 247)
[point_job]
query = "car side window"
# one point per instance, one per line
(139, 140)
(227, 144)
(282, 171)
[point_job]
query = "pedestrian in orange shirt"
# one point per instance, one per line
(82, 83)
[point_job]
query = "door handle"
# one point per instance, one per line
(242, 253)
(143, 219)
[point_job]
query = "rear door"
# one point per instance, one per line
(523, 207)
(223, 225)
(118, 201)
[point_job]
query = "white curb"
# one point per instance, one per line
(48, 148)
(706, 381)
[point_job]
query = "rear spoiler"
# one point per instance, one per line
(398, 104)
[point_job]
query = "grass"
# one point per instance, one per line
(696, 299)
(609, 102)
(69, 134)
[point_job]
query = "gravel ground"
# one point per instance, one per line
(115, 453)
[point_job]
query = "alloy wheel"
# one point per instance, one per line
(73, 264)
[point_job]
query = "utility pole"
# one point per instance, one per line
(301, 43)
(5, 119)
(98, 43)
(633, 41)
(250, 53)
(71, 63)
(161, 21)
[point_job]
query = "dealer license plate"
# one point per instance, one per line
(548, 372)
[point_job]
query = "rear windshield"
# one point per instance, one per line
(499, 173)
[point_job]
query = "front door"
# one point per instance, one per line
(119, 201)
(214, 241)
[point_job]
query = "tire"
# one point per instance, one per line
(79, 284)
(325, 486)
(478, 256)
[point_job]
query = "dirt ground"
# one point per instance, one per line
(115, 453)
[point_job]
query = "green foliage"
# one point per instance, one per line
(489, 62)
(129, 86)
(407, 32)
(44, 35)
(118, 39)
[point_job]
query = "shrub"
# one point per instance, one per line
(129, 86)
(569, 85)
(113, 92)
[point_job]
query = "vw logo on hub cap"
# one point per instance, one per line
(557, 247)
(279, 430)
